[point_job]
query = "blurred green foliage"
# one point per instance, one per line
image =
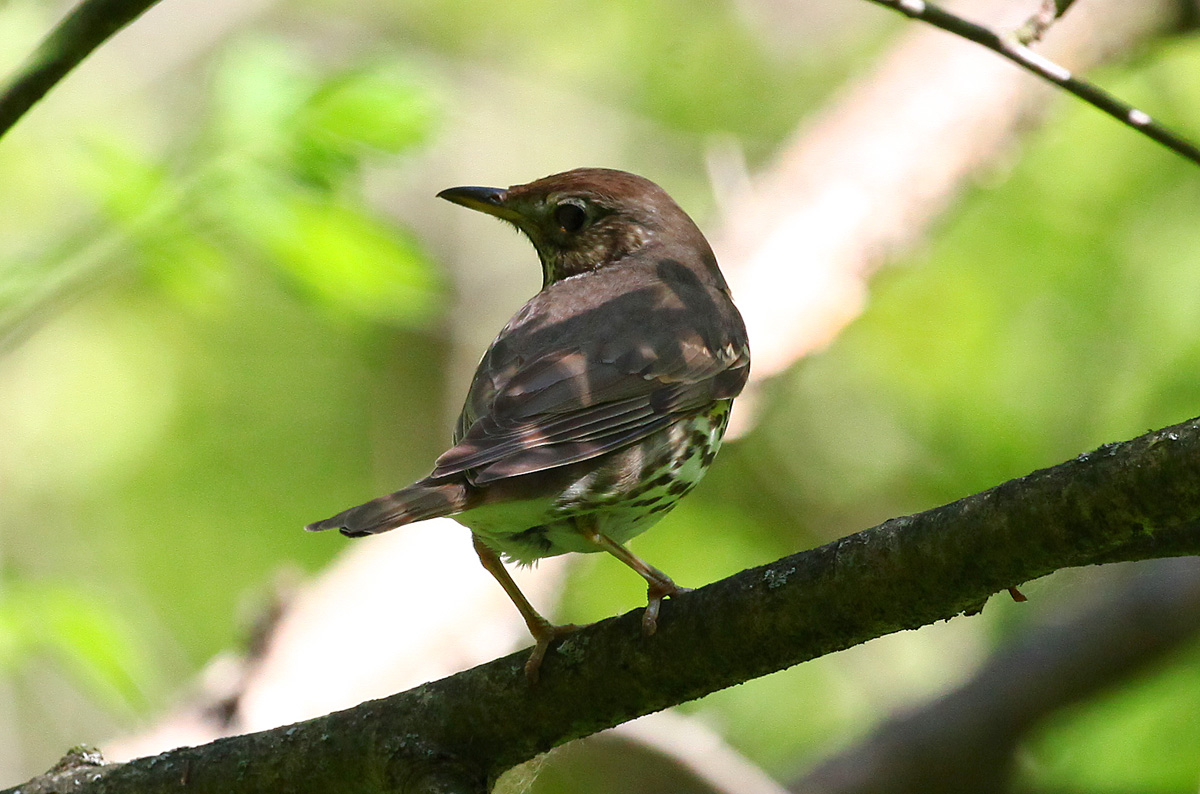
(215, 327)
(192, 312)
(692, 67)
(84, 636)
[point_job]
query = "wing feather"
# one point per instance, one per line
(553, 391)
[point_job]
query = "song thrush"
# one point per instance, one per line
(604, 398)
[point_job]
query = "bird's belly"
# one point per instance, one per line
(620, 495)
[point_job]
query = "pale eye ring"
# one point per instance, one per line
(570, 217)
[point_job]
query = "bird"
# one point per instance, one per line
(600, 403)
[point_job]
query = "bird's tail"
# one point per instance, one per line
(417, 502)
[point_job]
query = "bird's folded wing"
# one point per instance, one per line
(583, 402)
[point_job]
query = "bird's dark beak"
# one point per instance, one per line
(484, 199)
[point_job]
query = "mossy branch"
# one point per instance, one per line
(1130, 501)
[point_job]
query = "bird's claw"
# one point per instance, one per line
(544, 636)
(655, 594)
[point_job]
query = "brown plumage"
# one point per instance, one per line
(601, 402)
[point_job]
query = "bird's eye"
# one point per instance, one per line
(570, 217)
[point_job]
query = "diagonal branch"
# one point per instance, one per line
(1012, 49)
(967, 740)
(1135, 500)
(862, 182)
(84, 29)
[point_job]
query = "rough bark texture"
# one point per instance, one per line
(968, 739)
(1128, 501)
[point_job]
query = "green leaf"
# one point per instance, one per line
(258, 88)
(150, 206)
(336, 252)
(92, 642)
(384, 109)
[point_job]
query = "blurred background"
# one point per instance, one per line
(230, 305)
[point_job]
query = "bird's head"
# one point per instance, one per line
(588, 218)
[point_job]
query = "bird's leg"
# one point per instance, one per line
(658, 584)
(544, 632)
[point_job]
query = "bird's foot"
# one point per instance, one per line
(544, 633)
(655, 593)
(659, 585)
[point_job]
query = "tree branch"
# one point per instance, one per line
(1036, 26)
(966, 740)
(1129, 501)
(875, 169)
(84, 29)
(1010, 47)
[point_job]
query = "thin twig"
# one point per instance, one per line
(88, 26)
(1012, 49)
(870, 174)
(1036, 26)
